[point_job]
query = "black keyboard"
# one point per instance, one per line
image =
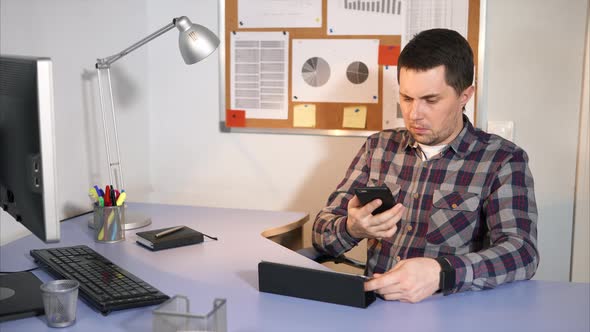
(103, 284)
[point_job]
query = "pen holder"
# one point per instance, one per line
(174, 315)
(108, 223)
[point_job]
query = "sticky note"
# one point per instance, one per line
(388, 55)
(235, 118)
(355, 117)
(304, 115)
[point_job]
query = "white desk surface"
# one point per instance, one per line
(228, 269)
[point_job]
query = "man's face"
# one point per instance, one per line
(432, 110)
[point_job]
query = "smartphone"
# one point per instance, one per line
(368, 194)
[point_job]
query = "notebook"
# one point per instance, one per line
(183, 237)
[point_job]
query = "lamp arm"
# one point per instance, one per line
(106, 62)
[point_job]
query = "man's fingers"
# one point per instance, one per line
(381, 281)
(354, 202)
(371, 206)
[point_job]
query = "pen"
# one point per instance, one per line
(168, 231)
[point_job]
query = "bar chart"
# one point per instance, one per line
(377, 6)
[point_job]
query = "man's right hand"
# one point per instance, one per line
(362, 224)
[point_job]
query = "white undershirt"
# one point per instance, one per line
(428, 151)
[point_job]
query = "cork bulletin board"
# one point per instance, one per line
(304, 108)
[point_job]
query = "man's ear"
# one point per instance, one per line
(466, 95)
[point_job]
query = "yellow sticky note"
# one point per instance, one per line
(304, 115)
(355, 117)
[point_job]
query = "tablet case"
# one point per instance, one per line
(305, 283)
(27, 300)
(183, 237)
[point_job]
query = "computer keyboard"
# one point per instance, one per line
(103, 284)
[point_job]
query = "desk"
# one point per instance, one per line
(228, 269)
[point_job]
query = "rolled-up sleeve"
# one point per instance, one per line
(329, 234)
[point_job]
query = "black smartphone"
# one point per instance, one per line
(368, 194)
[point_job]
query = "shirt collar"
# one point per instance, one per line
(460, 144)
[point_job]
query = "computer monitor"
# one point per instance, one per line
(27, 138)
(27, 169)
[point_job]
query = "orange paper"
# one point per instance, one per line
(388, 55)
(235, 118)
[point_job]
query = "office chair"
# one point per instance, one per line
(313, 254)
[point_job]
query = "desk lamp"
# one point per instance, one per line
(195, 42)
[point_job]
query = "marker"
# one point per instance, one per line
(93, 194)
(100, 201)
(107, 196)
(121, 198)
(112, 197)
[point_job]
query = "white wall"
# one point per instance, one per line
(74, 33)
(186, 160)
(534, 52)
(581, 245)
(192, 162)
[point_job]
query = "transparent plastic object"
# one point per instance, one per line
(174, 315)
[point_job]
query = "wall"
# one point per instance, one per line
(186, 160)
(534, 79)
(581, 243)
(74, 33)
(193, 163)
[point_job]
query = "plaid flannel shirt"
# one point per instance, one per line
(473, 204)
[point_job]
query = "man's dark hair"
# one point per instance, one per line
(435, 47)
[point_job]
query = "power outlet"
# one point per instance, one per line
(503, 129)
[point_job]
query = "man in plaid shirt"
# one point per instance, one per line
(466, 217)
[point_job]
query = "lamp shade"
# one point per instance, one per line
(195, 41)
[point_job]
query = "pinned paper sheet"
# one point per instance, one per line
(425, 14)
(355, 117)
(304, 115)
(392, 115)
(235, 118)
(335, 71)
(279, 14)
(388, 55)
(366, 17)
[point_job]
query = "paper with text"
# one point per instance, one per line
(259, 74)
(392, 114)
(427, 14)
(365, 17)
(279, 13)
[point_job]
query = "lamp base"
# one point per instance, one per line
(133, 220)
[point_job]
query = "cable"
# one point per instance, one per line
(29, 270)
(211, 237)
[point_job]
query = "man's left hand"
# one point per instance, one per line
(411, 280)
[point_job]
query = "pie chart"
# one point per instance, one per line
(357, 72)
(315, 71)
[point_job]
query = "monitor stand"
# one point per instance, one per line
(20, 296)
